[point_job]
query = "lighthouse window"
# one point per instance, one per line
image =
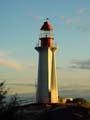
(45, 34)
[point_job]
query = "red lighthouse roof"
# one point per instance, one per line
(46, 26)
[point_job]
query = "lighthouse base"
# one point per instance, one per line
(47, 83)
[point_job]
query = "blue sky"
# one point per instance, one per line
(20, 22)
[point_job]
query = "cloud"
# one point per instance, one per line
(81, 11)
(81, 64)
(83, 27)
(78, 22)
(58, 68)
(11, 64)
(6, 61)
(69, 22)
(36, 17)
(62, 17)
(4, 54)
(82, 24)
(89, 19)
(21, 84)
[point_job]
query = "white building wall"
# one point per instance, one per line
(42, 88)
(54, 88)
(47, 91)
(49, 68)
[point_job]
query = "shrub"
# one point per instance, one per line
(7, 109)
(79, 100)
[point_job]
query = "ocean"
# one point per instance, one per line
(27, 93)
(75, 93)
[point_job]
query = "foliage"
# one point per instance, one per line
(79, 100)
(3, 93)
(69, 101)
(7, 109)
(86, 105)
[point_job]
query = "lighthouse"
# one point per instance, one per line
(47, 90)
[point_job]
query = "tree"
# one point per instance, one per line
(7, 109)
(3, 93)
(79, 100)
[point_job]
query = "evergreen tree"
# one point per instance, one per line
(8, 109)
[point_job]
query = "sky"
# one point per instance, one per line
(20, 23)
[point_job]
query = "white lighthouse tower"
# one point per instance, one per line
(47, 91)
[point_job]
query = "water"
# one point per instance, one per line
(31, 98)
(27, 98)
(76, 93)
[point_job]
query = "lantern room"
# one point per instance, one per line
(46, 35)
